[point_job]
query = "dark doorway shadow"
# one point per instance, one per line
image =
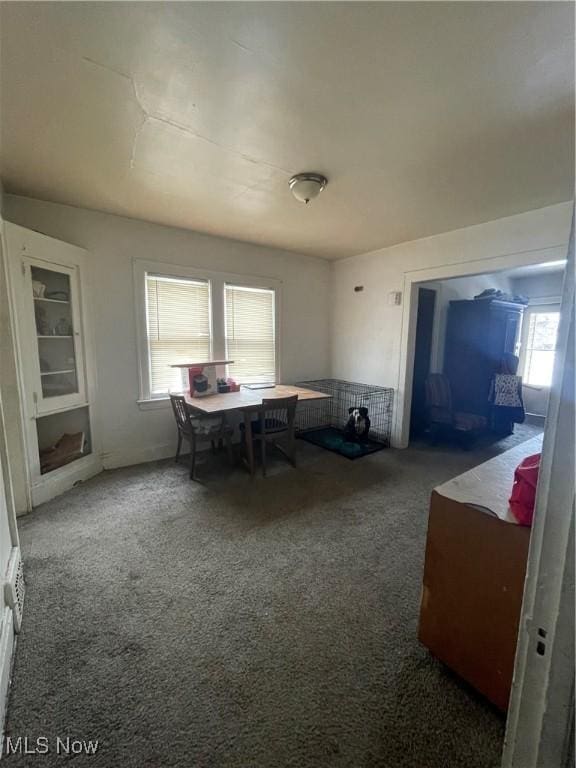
(422, 353)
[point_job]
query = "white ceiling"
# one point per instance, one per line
(425, 117)
(536, 270)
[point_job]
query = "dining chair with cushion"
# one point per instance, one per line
(275, 421)
(195, 430)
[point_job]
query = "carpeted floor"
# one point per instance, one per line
(244, 623)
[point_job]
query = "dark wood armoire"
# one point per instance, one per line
(478, 334)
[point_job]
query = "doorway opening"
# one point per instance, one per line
(422, 359)
(471, 331)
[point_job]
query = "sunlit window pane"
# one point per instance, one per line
(540, 348)
(544, 328)
(540, 370)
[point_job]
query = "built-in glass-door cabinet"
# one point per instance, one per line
(53, 293)
(57, 388)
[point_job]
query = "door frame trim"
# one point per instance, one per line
(539, 729)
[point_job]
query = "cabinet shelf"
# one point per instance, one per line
(52, 301)
(56, 373)
(55, 336)
(65, 409)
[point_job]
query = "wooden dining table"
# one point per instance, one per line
(246, 401)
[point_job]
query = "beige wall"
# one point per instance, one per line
(129, 434)
(539, 286)
(326, 327)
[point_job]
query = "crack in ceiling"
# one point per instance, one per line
(148, 115)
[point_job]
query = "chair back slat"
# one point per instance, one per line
(438, 394)
(181, 413)
(278, 414)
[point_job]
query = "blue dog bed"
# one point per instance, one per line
(332, 439)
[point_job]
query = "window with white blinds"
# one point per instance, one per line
(178, 325)
(250, 333)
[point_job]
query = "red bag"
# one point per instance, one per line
(524, 489)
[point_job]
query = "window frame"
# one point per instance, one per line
(217, 282)
(536, 306)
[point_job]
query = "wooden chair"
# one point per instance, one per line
(276, 420)
(441, 415)
(195, 430)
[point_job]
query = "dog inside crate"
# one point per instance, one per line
(357, 426)
(354, 422)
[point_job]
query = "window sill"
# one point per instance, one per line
(153, 405)
(535, 387)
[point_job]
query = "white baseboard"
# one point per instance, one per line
(6, 650)
(536, 419)
(54, 483)
(117, 459)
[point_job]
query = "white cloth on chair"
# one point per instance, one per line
(507, 390)
(206, 425)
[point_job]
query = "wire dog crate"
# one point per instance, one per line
(316, 414)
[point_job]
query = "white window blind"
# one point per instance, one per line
(251, 334)
(541, 347)
(178, 324)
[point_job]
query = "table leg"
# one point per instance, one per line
(225, 435)
(249, 443)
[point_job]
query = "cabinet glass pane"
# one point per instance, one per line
(55, 331)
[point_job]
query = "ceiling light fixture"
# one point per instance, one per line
(307, 186)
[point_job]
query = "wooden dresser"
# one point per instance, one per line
(474, 573)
